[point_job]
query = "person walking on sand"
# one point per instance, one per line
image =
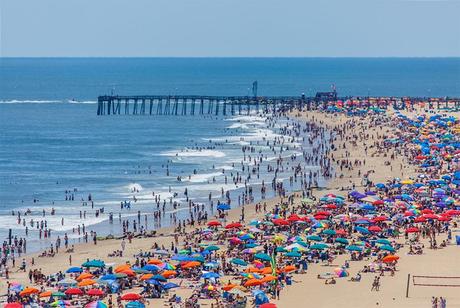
(123, 245)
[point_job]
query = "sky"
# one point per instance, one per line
(230, 28)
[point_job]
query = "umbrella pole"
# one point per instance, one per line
(408, 284)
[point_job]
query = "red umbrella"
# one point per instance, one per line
(427, 211)
(420, 219)
(324, 213)
(444, 218)
(320, 217)
(95, 292)
(374, 229)
(341, 232)
(412, 230)
(13, 305)
(73, 291)
(267, 305)
(233, 225)
(280, 222)
(430, 216)
(331, 206)
(214, 223)
(380, 218)
(377, 202)
(294, 217)
(131, 297)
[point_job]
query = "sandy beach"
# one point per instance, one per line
(365, 155)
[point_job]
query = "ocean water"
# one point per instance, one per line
(50, 144)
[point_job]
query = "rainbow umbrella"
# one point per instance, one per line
(96, 304)
(340, 272)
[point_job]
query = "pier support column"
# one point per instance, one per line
(126, 106)
(201, 107)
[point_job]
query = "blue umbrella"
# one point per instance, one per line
(262, 256)
(74, 270)
(223, 207)
(134, 305)
(159, 278)
(154, 282)
(151, 268)
(387, 248)
(353, 248)
(109, 277)
(362, 230)
(170, 285)
(210, 275)
(239, 262)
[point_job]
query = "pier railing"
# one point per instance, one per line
(231, 105)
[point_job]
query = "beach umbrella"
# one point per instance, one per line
(122, 268)
(239, 262)
(167, 266)
(319, 246)
(29, 291)
(86, 282)
(59, 303)
(223, 207)
(268, 278)
(191, 264)
(73, 291)
(131, 297)
(214, 223)
(74, 270)
(212, 248)
(289, 268)
(262, 256)
(13, 305)
(390, 258)
(353, 248)
(146, 277)
(281, 222)
(340, 272)
(151, 268)
(362, 230)
(267, 305)
(155, 261)
(383, 241)
(329, 232)
(153, 282)
(315, 238)
(169, 273)
(134, 304)
(209, 275)
(170, 285)
(94, 263)
(341, 240)
(45, 294)
(387, 248)
(95, 292)
(412, 230)
(252, 282)
(159, 278)
(293, 254)
(234, 225)
(96, 304)
(374, 229)
(84, 276)
(16, 287)
(58, 294)
(108, 277)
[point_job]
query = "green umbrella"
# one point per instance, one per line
(319, 246)
(341, 240)
(58, 294)
(199, 259)
(262, 256)
(383, 241)
(239, 262)
(353, 248)
(212, 248)
(329, 232)
(280, 249)
(94, 263)
(184, 252)
(293, 254)
(315, 238)
(387, 248)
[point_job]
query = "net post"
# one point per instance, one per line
(408, 284)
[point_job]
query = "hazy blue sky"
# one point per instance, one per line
(230, 28)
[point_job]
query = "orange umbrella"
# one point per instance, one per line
(155, 261)
(390, 258)
(191, 264)
(252, 282)
(86, 282)
(45, 294)
(122, 268)
(84, 276)
(268, 278)
(129, 272)
(228, 287)
(169, 273)
(289, 268)
(146, 276)
(266, 270)
(28, 291)
(252, 270)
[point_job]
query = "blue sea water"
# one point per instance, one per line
(50, 145)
